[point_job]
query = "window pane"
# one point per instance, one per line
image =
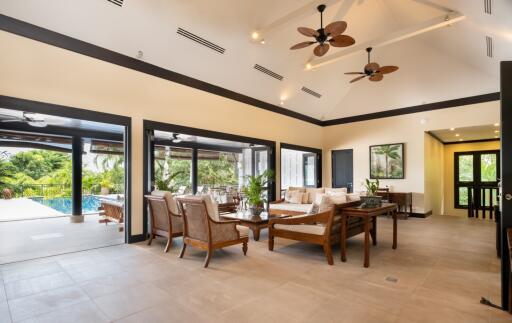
(309, 170)
(463, 196)
(217, 170)
(488, 167)
(466, 168)
(261, 161)
(173, 169)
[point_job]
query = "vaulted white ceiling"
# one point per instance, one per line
(446, 63)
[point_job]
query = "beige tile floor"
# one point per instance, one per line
(442, 266)
(30, 239)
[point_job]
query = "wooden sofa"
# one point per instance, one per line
(323, 228)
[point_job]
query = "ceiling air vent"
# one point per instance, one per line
(490, 46)
(268, 72)
(311, 92)
(200, 40)
(488, 6)
(117, 2)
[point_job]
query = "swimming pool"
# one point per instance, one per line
(90, 203)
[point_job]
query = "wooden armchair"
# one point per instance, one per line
(165, 219)
(323, 228)
(204, 231)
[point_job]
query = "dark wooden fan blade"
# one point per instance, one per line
(335, 28)
(354, 73)
(358, 78)
(387, 69)
(302, 45)
(342, 41)
(371, 67)
(376, 77)
(321, 49)
(308, 32)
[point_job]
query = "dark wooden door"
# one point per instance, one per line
(506, 177)
(343, 169)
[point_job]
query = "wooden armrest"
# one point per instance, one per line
(297, 219)
(227, 221)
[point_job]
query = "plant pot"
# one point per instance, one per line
(370, 202)
(255, 210)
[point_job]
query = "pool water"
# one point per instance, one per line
(90, 203)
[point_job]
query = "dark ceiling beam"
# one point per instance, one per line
(49, 37)
(495, 96)
(43, 35)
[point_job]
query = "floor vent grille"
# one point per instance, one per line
(490, 46)
(311, 92)
(488, 6)
(117, 2)
(268, 72)
(200, 40)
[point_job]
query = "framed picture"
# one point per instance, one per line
(387, 161)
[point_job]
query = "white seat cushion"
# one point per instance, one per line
(290, 207)
(244, 231)
(313, 192)
(302, 228)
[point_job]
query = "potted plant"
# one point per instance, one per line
(371, 200)
(253, 191)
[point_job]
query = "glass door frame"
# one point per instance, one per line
(149, 127)
(476, 183)
(318, 162)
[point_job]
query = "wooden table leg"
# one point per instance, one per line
(367, 242)
(373, 232)
(394, 229)
(343, 242)
(256, 232)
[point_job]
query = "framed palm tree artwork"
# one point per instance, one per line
(387, 161)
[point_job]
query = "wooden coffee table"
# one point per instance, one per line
(255, 223)
(367, 215)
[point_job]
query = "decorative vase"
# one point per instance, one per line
(370, 202)
(256, 210)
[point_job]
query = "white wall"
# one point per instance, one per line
(434, 175)
(407, 129)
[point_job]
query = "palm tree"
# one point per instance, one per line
(389, 151)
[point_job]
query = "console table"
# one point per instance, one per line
(367, 215)
(402, 199)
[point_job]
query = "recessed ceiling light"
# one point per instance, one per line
(423, 121)
(496, 137)
(457, 135)
(461, 139)
(255, 35)
(309, 66)
(496, 124)
(496, 131)
(282, 102)
(262, 41)
(452, 129)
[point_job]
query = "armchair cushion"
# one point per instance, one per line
(302, 228)
(212, 207)
(291, 190)
(169, 198)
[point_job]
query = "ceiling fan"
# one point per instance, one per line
(331, 35)
(30, 118)
(374, 71)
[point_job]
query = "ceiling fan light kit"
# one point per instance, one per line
(326, 37)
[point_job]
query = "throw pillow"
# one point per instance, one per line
(296, 197)
(313, 209)
(338, 198)
(329, 190)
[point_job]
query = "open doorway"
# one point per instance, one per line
(300, 166)
(63, 183)
(465, 163)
